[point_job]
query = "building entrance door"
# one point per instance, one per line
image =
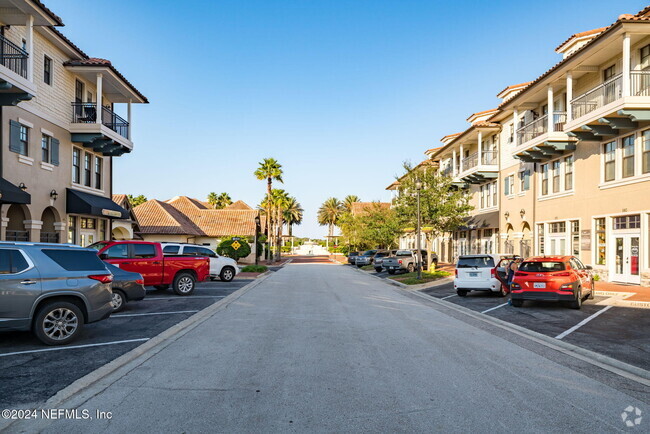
(86, 238)
(627, 259)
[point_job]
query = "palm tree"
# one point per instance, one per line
(213, 199)
(349, 200)
(293, 214)
(223, 200)
(271, 170)
(280, 200)
(329, 213)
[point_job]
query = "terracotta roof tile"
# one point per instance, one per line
(121, 199)
(580, 35)
(361, 208)
(486, 124)
(238, 205)
(55, 17)
(160, 218)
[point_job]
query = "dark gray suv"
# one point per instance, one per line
(52, 289)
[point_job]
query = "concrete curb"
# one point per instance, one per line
(79, 391)
(610, 364)
(420, 287)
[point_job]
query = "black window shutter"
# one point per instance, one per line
(55, 151)
(14, 136)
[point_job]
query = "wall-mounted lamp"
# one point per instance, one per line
(22, 186)
(54, 194)
(522, 213)
(506, 214)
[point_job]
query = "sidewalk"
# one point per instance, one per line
(639, 293)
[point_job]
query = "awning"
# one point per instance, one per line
(9, 193)
(79, 202)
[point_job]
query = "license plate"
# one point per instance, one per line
(539, 285)
(473, 274)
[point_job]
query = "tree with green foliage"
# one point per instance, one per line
(443, 207)
(329, 214)
(240, 250)
(349, 200)
(270, 170)
(376, 227)
(137, 200)
(293, 214)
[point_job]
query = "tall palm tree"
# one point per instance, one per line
(293, 214)
(271, 170)
(329, 213)
(349, 200)
(280, 199)
(223, 200)
(213, 199)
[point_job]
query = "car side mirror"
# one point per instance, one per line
(103, 256)
(588, 267)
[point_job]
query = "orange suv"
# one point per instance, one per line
(552, 278)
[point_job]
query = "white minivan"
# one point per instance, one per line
(220, 266)
(481, 272)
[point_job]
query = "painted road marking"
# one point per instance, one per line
(183, 298)
(581, 323)
(493, 308)
(153, 313)
(73, 347)
(449, 296)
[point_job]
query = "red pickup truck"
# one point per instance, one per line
(146, 258)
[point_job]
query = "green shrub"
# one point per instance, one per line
(226, 249)
(255, 269)
(596, 277)
(285, 249)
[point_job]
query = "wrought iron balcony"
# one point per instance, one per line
(606, 93)
(540, 126)
(13, 57)
(86, 113)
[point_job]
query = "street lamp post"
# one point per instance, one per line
(418, 187)
(257, 231)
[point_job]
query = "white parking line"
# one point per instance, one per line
(581, 323)
(449, 296)
(493, 308)
(191, 297)
(73, 347)
(153, 313)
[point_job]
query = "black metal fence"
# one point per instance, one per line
(49, 237)
(13, 57)
(17, 236)
(86, 113)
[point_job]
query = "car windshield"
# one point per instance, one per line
(542, 267)
(369, 252)
(403, 253)
(98, 246)
(381, 254)
(476, 262)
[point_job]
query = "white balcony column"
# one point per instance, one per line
(480, 148)
(626, 64)
(100, 103)
(550, 115)
(569, 96)
(29, 46)
(454, 170)
(462, 156)
(515, 120)
(128, 118)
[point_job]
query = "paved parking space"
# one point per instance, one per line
(622, 333)
(31, 372)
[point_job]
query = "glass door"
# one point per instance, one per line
(626, 259)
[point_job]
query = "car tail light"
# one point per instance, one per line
(563, 274)
(520, 273)
(400, 261)
(567, 287)
(515, 286)
(493, 273)
(140, 281)
(104, 278)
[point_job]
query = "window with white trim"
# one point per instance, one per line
(509, 185)
(645, 155)
(544, 170)
(628, 156)
(609, 150)
(568, 173)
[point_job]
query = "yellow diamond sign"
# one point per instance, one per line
(236, 245)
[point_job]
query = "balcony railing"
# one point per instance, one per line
(540, 126)
(470, 161)
(13, 57)
(86, 113)
(640, 83)
(17, 235)
(608, 92)
(447, 171)
(487, 158)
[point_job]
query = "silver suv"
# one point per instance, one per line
(52, 289)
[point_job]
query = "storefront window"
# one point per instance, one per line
(72, 229)
(601, 240)
(102, 230)
(575, 237)
(87, 223)
(557, 228)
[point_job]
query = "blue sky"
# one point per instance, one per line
(340, 92)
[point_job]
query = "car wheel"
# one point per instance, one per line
(516, 303)
(461, 293)
(359, 265)
(227, 274)
(391, 271)
(592, 290)
(58, 323)
(184, 284)
(118, 301)
(410, 268)
(503, 291)
(378, 270)
(577, 303)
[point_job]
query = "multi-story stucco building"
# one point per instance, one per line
(59, 130)
(562, 166)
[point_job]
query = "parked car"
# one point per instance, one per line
(482, 272)
(379, 259)
(146, 258)
(222, 267)
(552, 278)
(126, 286)
(365, 258)
(406, 261)
(52, 290)
(352, 257)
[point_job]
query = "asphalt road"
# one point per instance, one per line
(31, 377)
(324, 348)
